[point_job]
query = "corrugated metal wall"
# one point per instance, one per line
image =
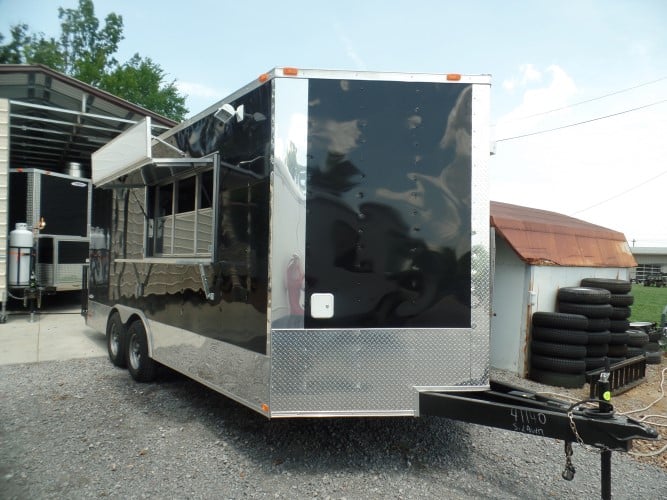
(4, 192)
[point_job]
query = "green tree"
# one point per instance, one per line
(86, 51)
(141, 80)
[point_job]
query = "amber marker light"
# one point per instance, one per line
(453, 77)
(263, 77)
(265, 408)
(290, 71)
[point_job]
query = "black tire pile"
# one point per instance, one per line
(642, 342)
(588, 331)
(558, 349)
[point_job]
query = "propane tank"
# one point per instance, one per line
(20, 249)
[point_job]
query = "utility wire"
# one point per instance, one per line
(580, 123)
(620, 194)
(584, 102)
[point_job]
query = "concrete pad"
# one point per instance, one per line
(57, 335)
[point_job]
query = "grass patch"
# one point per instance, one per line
(649, 303)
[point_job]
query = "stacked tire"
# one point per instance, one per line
(620, 299)
(593, 303)
(558, 349)
(645, 342)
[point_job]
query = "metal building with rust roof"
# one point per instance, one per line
(537, 252)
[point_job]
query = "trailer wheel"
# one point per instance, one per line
(617, 351)
(560, 320)
(584, 295)
(567, 380)
(613, 285)
(618, 338)
(558, 350)
(621, 312)
(599, 337)
(596, 350)
(635, 351)
(619, 325)
(559, 365)
(654, 357)
(637, 338)
(598, 324)
(139, 364)
(595, 363)
(116, 338)
(621, 299)
(560, 336)
(588, 310)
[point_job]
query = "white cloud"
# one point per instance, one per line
(595, 170)
(556, 93)
(192, 89)
(528, 74)
(349, 48)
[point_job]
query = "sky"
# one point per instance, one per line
(578, 117)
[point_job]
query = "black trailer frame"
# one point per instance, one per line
(512, 408)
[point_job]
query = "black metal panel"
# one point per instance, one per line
(173, 294)
(18, 198)
(388, 203)
(45, 251)
(64, 206)
(72, 252)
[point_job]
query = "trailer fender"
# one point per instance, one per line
(130, 314)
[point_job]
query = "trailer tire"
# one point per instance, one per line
(654, 336)
(588, 310)
(595, 363)
(637, 338)
(558, 350)
(617, 351)
(597, 338)
(613, 285)
(598, 324)
(620, 312)
(560, 320)
(116, 339)
(621, 299)
(654, 357)
(141, 367)
(559, 365)
(584, 295)
(634, 352)
(618, 338)
(566, 380)
(651, 346)
(596, 350)
(560, 336)
(619, 325)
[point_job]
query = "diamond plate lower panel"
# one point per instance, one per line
(368, 371)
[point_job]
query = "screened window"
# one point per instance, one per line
(181, 220)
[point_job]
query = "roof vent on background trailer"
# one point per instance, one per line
(74, 169)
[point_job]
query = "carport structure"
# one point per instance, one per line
(51, 122)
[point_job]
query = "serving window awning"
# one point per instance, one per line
(132, 150)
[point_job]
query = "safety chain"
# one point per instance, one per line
(573, 426)
(568, 472)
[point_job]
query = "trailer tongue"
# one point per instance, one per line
(515, 409)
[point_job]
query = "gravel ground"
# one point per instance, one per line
(84, 429)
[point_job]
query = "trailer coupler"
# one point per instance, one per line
(515, 409)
